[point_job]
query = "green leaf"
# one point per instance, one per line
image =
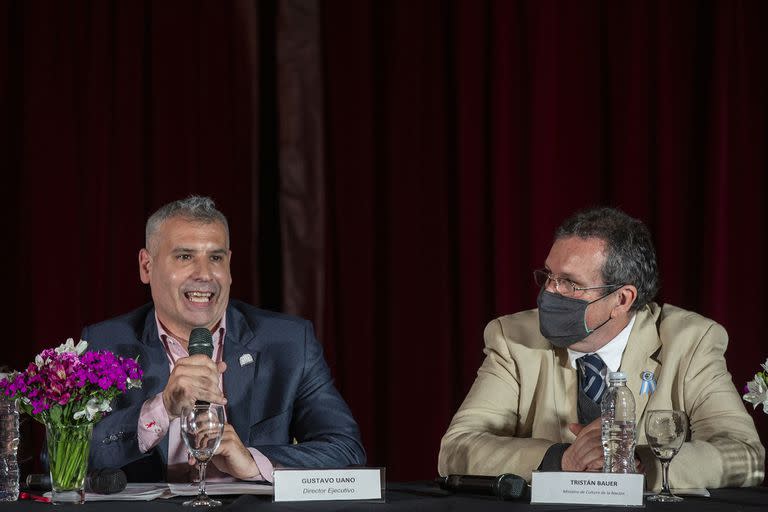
(55, 414)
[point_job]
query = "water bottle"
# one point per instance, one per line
(618, 425)
(9, 443)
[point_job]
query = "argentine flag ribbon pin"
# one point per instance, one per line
(649, 383)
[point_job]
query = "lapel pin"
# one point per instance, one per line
(649, 383)
(246, 359)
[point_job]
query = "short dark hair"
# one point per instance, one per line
(194, 208)
(630, 256)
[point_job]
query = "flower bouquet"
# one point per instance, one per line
(756, 391)
(69, 390)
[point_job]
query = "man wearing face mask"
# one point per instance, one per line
(535, 404)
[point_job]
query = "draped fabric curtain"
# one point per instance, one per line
(461, 134)
(391, 170)
(115, 108)
(110, 110)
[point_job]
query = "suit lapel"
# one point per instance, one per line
(156, 369)
(242, 360)
(564, 393)
(239, 341)
(640, 355)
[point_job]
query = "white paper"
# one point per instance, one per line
(151, 491)
(132, 492)
(588, 488)
(222, 488)
(328, 484)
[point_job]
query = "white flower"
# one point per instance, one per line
(765, 365)
(69, 346)
(132, 383)
(758, 393)
(93, 407)
(39, 361)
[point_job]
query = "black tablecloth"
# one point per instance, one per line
(420, 497)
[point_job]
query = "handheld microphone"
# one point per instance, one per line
(507, 486)
(99, 481)
(200, 342)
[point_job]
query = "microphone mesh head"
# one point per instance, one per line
(510, 486)
(201, 342)
(106, 481)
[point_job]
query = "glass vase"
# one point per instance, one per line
(68, 447)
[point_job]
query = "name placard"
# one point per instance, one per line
(587, 488)
(329, 484)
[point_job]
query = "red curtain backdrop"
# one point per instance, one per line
(391, 170)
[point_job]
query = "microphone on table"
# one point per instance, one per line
(200, 342)
(507, 486)
(99, 481)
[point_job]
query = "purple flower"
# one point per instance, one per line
(70, 378)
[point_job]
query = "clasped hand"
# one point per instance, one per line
(586, 451)
(197, 378)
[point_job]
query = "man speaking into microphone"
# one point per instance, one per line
(266, 368)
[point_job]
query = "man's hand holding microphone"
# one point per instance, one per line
(195, 380)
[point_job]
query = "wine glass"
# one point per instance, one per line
(665, 431)
(202, 426)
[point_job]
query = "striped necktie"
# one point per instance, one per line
(592, 380)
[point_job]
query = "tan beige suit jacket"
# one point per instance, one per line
(525, 396)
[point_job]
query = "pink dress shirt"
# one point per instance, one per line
(154, 423)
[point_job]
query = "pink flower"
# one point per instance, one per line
(68, 378)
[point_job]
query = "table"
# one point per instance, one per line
(416, 496)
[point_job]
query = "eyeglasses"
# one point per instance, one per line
(563, 286)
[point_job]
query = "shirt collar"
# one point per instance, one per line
(218, 335)
(611, 352)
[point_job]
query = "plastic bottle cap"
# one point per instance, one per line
(617, 376)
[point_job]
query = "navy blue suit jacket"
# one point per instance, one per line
(286, 393)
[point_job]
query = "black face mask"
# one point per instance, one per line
(563, 320)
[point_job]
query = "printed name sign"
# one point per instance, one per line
(329, 484)
(587, 488)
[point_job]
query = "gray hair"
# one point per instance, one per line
(630, 257)
(194, 208)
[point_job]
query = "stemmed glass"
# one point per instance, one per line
(202, 426)
(666, 432)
